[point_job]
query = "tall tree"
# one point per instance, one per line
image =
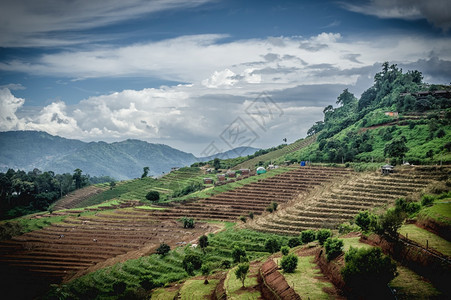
(145, 172)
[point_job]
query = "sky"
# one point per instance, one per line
(204, 76)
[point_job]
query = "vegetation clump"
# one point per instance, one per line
(322, 235)
(289, 263)
(307, 236)
(241, 272)
(163, 249)
(188, 222)
(153, 196)
(334, 247)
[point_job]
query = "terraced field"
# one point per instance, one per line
(254, 197)
(76, 245)
(328, 207)
(250, 164)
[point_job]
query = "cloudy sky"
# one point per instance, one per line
(204, 75)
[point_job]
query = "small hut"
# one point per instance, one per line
(387, 169)
(231, 174)
(221, 177)
(245, 172)
(208, 181)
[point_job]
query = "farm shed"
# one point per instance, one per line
(387, 169)
(231, 174)
(245, 171)
(261, 170)
(208, 181)
(221, 177)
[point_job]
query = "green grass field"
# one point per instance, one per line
(195, 289)
(421, 235)
(234, 290)
(304, 279)
(410, 285)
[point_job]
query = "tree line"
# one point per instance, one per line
(23, 192)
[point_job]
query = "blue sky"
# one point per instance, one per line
(183, 72)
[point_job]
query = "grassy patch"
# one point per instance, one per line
(234, 290)
(421, 235)
(440, 211)
(163, 294)
(409, 285)
(304, 280)
(353, 242)
(196, 289)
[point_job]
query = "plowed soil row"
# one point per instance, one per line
(339, 203)
(254, 197)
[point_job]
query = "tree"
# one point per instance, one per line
(77, 177)
(368, 271)
(322, 235)
(289, 263)
(112, 184)
(216, 163)
(238, 254)
(145, 172)
(365, 220)
(345, 98)
(272, 245)
(391, 222)
(285, 250)
(307, 236)
(293, 242)
(241, 272)
(203, 242)
(188, 222)
(192, 259)
(396, 148)
(153, 196)
(163, 249)
(334, 247)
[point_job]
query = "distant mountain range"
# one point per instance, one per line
(26, 150)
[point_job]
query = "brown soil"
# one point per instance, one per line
(78, 196)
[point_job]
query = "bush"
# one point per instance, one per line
(285, 250)
(251, 215)
(239, 254)
(347, 228)
(307, 236)
(274, 205)
(205, 270)
(391, 222)
(334, 247)
(427, 200)
(146, 282)
(368, 270)
(194, 259)
(294, 242)
(272, 245)
(322, 235)
(153, 196)
(163, 249)
(243, 219)
(270, 209)
(289, 263)
(226, 264)
(365, 220)
(203, 242)
(241, 272)
(188, 222)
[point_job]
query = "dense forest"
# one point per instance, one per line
(23, 193)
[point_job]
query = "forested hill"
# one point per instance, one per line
(400, 118)
(27, 150)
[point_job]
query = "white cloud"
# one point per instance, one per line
(220, 79)
(8, 108)
(438, 12)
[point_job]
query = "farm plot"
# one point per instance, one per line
(254, 197)
(78, 244)
(250, 164)
(340, 203)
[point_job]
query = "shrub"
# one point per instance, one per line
(289, 263)
(203, 242)
(307, 236)
(365, 220)
(347, 228)
(205, 270)
(238, 254)
(334, 247)
(427, 200)
(274, 205)
(367, 270)
(293, 242)
(251, 215)
(285, 250)
(146, 282)
(153, 196)
(188, 222)
(270, 209)
(322, 235)
(163, 249)
(391, 222)
(243, 219)
(194, 259)
(272, 245)
(226, 264)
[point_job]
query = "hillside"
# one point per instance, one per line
(27, 150)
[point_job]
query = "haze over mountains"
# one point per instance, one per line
(26, 150)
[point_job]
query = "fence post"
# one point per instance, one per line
(427, 244)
